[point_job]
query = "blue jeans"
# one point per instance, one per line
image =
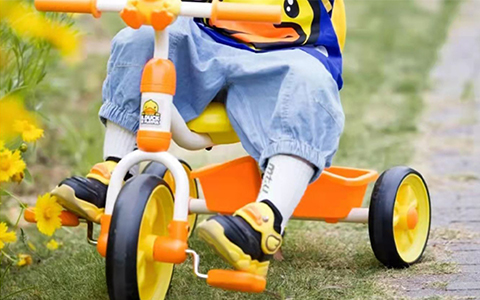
(279, 102)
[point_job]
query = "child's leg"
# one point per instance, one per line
(284, 182)
(200, 78)
(285, 107)
(85, 196)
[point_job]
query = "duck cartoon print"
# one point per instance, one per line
(300, 25)
(150, 114)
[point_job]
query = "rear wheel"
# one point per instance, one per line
(399, 217)
(143, 210)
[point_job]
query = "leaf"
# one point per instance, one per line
(28, 177)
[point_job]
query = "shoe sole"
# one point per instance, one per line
(66, 198)
(213, 234)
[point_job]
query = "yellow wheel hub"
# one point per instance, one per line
(411, 218)
(153, 278)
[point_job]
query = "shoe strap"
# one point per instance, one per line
(102, 171)
(261, 217)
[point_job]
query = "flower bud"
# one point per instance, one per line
(23, 147)
(18, 177)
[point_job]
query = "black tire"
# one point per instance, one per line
(123, 239)
(381, 218)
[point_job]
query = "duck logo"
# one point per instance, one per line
(300, 25)
(150, 114)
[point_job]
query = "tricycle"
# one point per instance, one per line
(148, 219)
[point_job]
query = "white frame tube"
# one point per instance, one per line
(356, 215)
(187, 9)
(180, 176)
(196, 10)
(186, 138)
(111, 5)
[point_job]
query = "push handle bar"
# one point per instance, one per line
(224, 11)
(216, 11)
(68, 6)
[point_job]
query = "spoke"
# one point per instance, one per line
(402, 240)
(141, 264)
(405, 194)
(410, 194)
(413, 204)
(152, 216)
(397, 209)
(396, 219)
(410, 236)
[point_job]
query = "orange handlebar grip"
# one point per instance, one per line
(223, 11)
(236, 281)
(69, 6)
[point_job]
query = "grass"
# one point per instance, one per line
(391, 47)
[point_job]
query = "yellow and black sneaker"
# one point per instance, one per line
(86, 196)
(248, 239)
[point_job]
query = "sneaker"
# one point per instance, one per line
(86, 196)
(248, 239)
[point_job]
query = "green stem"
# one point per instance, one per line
(19, 217)
(7, 256)
(14, 197)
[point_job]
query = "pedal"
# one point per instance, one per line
(67, 218)
(229, 279)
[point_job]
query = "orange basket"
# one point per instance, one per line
(335, 193)
(233, 184)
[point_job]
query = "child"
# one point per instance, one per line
(283, 101)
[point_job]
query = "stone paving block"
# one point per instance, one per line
(455, 286)
(467, 258)
(470, 269)
(465, 247)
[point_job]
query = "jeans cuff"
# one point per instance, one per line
(295, 148)
(118, 115)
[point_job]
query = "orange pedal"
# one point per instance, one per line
(67, 218)
(236, 281)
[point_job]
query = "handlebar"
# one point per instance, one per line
(216, 11)
(68, 6)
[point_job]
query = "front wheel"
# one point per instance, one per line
(399, 217)
(143, 210)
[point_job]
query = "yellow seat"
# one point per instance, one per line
(214, 122)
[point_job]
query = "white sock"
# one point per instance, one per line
(118, 142)
(284, 182)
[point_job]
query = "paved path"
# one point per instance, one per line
(449, 157)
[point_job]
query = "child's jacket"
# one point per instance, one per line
(307, 24)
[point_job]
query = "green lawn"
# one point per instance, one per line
(391, 47)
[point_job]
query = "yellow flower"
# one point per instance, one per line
(2, 145)
(11, 109)
(11, 163)
(30, 133)
(53, 245)
(28, 23)
(24, 260)
(6, 237)
(47, 214)
(32, 246)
